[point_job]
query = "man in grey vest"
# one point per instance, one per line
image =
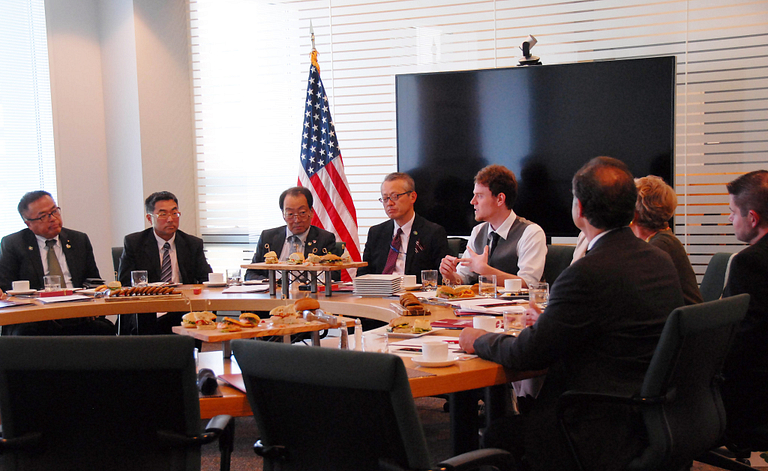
(505, 245)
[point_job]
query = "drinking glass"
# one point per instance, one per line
(52, 282)
(233, 277)
(538, 292)
(514, 320)
(487, 285)
(139, 278)
(428, 280)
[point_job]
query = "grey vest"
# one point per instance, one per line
(504, 256)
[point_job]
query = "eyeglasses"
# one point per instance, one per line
(299, 215)
(164, 215)
(47, 216)
(394, 197)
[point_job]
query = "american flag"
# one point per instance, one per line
(322, 169)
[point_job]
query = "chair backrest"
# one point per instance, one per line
(685, 372)
(332, 409)
(558, 259)
(715, 276)
(457, 245)
(98, 402)
(117, 252)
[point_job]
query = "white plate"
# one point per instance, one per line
(21, 292)
(211, 284)
(403, 335)
(419, 360)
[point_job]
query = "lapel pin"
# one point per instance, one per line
(69, 246)
(30, 248)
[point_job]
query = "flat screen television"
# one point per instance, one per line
(542, 122)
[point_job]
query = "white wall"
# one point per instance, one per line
(122, 114)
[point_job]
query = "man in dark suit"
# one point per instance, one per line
(407, 241)
(45, 247)
(598, 332)
(166, 253)
(298, 235)
(746, 369)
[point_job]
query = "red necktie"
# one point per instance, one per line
(394, 251)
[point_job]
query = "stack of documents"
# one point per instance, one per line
(377, 285)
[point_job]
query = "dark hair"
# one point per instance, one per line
(499, 179)
(149, 203)
(606, 189)
(296, 191)
(410, 185)
(750, 193)
(30, 198)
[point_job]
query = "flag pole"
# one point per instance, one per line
(313, 54)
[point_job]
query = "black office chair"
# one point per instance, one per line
(713, 282)
(558, 258)
(116, 403)
(457, 245)
(326, 409)
(679, 401)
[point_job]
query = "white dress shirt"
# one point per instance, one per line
(59, 255)
(175, 276)
(404, 239)
(531, 250)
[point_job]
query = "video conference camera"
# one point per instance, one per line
(526, 47)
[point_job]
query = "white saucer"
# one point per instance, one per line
(21, 292)
(412, 287)
(419, 360)
(211, 284)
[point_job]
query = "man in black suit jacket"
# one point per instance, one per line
(425, 242)
(24, 256)
(599, 330)
(142, 251)
(746, 369)
(296, 206)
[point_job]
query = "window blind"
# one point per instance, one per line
(722, 90)
(26, 122)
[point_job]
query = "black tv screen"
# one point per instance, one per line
(542, 122)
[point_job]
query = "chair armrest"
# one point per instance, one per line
(571, 398)
(499, 459)
(24, 442)
(216, 426)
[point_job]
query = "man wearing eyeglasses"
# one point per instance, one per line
(298, 235)
(407, 243)
(45, 247)
(166, 253)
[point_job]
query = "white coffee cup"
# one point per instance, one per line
(409, 281)
(434, 350)
(513, 285)
(484, 322)
(22, 285)
(215, 277)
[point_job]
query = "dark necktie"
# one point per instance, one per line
(166, 271)
(493, 241)
(53, 262)
(394, 251)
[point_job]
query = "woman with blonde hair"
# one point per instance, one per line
(656, 204)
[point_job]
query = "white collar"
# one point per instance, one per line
(505, 226)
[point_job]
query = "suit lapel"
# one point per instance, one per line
(412, 239)
(153, 256)
(311, 242)
(278, 239)
(73, 261)
(182, 255)
(33, 252)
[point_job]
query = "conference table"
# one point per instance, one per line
(459, 381)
